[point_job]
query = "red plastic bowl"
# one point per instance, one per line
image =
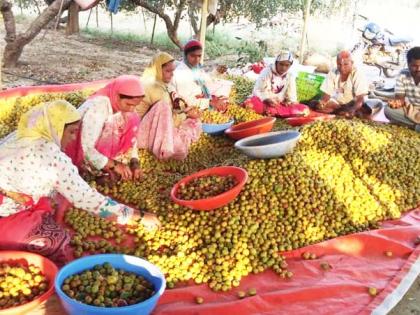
(313, 116)
(48, 268)
(251, 128)
(218, 201)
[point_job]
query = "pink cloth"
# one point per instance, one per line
(118, 134)
(158, 134)
(129, 85)
(33, 229)
(279, 110)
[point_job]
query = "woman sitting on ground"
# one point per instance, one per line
(108, 130)
(191, 81)
(33, 166)
(274, 92)
(168, 125)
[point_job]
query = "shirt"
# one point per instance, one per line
(406, 86)
(279, 88)
(185, 86)
(345, 92)
(40, 169)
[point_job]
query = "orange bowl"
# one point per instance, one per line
(313, 116)
(48, 268)
(218, 201)
(250, 128)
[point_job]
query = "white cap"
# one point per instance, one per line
(285, 55)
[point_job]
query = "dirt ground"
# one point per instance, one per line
(57, 59)
(53, 58)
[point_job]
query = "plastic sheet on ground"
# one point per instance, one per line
(358, 262)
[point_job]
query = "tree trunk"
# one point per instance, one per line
(16, 42)
(73, 19)
(193, 22)
(12, 53)
(173, 36)
(306, 15)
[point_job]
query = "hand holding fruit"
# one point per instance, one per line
(396, 103)
(150, 221)
(219, 103)
(193, 113)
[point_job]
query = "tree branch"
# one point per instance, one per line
(9, 21)
(155, 10)
(16, 42)
(178, 13)
(193, 21)
(43, 19)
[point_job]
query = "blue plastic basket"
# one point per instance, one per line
(125, 262)
(216, 129)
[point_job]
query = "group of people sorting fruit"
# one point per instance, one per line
(55, 143)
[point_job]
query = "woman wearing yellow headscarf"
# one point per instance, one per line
(168, 125)
(33, 166)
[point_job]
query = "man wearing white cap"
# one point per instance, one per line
(275, 89)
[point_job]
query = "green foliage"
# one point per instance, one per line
(251, 52)
(161, 40)
(220, 44)
(254, 10)
(242, 89)
(319, 6)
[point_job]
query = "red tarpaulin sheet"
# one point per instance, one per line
(73, 87)
(358, 262)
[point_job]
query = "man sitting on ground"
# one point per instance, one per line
(406, 106)
(344, 90)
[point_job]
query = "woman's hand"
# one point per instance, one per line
(193, 113)
(219, 103)
(147, 219)
(123, 170)
(135, 169)
(150, 221)
(137, 174)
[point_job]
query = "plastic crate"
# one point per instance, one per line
(308, 86)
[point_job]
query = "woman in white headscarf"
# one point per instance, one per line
(274, 92)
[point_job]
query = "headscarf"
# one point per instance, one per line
(156, 89)
(285, 55)
(190, 46)
(45, 121)
(154, 69)
(129, 85)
